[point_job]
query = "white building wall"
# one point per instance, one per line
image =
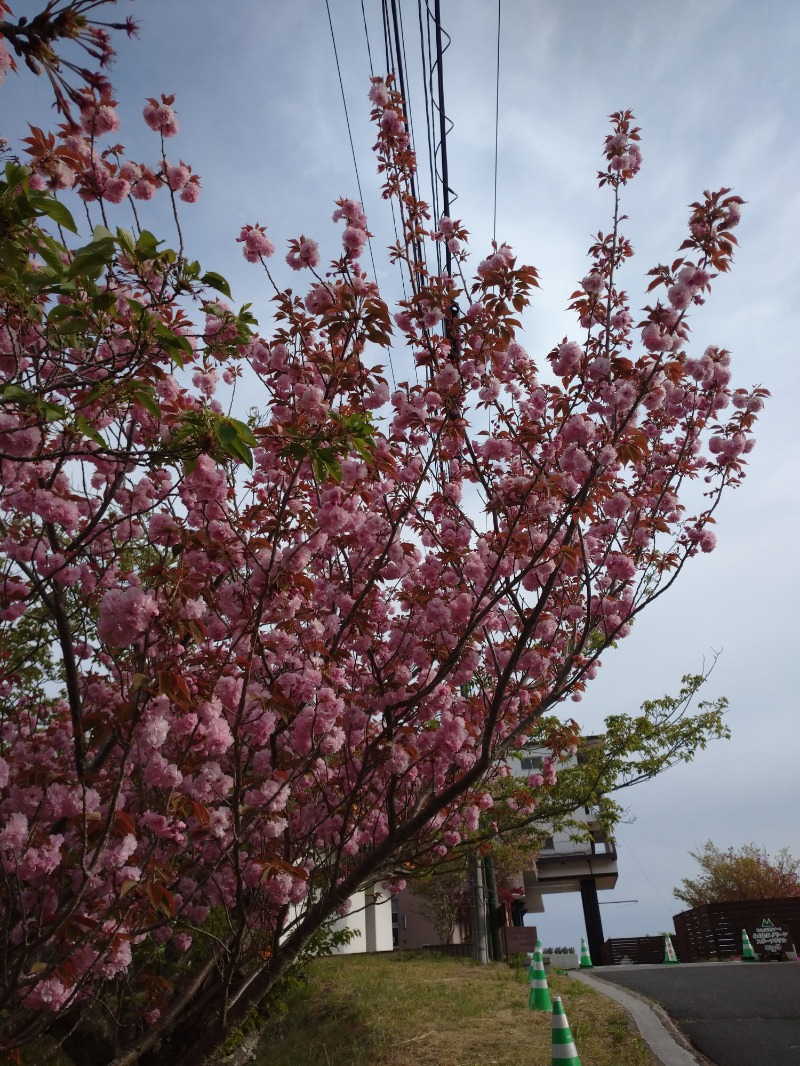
(379, 921)
(372, 921)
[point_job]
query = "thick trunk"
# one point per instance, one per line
(85, 1042)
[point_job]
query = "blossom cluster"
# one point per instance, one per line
(72, 158)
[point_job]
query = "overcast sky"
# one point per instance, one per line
(715, 87)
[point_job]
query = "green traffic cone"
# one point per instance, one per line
(539, 995)
(670, 958)
(586, 958)
(564, 1051)
(748, 955)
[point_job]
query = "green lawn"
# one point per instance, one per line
(410, 1009)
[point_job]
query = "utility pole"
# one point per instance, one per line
(493, 906)
(477, 893)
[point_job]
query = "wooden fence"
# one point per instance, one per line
(714, 931)
(633, 951)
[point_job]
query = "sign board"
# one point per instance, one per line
(770, 939)
(519, 938)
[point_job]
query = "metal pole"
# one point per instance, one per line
(493, 907)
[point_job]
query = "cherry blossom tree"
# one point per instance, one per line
(254, 666)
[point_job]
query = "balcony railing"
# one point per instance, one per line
(564, 850)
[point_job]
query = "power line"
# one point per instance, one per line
(350, 136)
(344, 101)
(443, 121)
(366, 35)
(400, 54)
(427, 90)
(496, 122)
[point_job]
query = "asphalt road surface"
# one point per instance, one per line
(736, 1014)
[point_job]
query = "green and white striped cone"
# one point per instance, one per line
(539, 995)
(748, 955)
(537, 947)
(586, 958)
(670, 958)
(564, 1051)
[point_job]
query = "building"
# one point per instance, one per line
(370, 917)
(569, 864)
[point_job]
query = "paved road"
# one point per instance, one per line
(736, 1014)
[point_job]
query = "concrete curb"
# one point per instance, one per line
(668, 1046)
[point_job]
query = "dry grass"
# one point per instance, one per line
(414, 1010)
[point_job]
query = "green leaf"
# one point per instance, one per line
(52, 256)
(363, 447)
(174, 344)
(91, 260)
(126, 241)
(75, 323)
(17, 175)
(16, 394)
(52, 411)
(228, 432)
(89, 431)
(59, 312)
(225, 433)
(60, 215)
(145, 396)
(216, 281)
(244, 432)
(104, 301)
(147, 245)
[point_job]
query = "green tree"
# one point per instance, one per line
(632, 749)
(732, 875)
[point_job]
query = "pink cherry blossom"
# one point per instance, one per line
(378, 93)
(567, 359)
(161, 116)
(306, 254)
(257, 244)
(125, 615)
(6, 62)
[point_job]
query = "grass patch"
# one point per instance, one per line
(422, 1010)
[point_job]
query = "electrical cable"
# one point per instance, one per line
(427, 89)
(352, 146)
(366, 35)
(391, 68)
(399, 51)
(344, 102)
(443, 122)
(496, 122)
